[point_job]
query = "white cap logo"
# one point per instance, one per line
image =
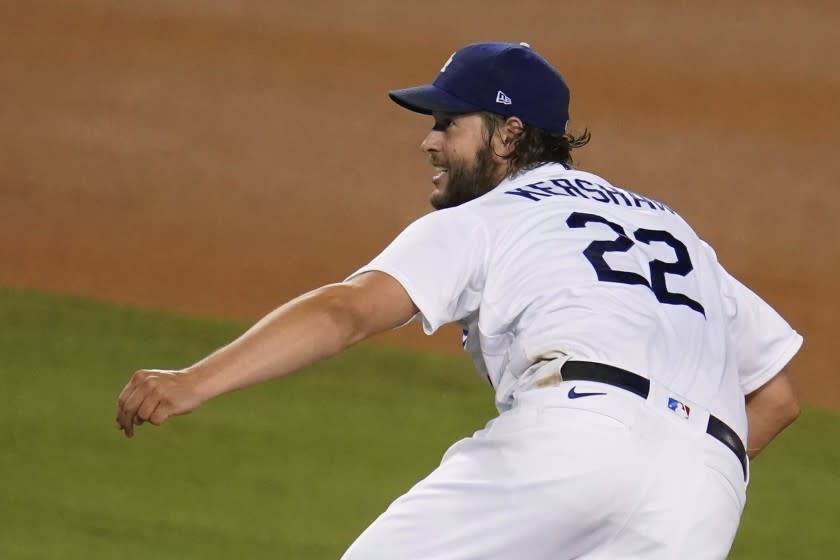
(502, 98)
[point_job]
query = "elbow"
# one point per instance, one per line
(791, 410)
(787, 405)
(776, 399)
(770, 410)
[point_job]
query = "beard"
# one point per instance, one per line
(465, 182)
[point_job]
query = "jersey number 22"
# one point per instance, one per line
(594, 253)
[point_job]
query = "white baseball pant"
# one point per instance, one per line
(608, 476)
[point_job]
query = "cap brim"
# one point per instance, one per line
(429, 99)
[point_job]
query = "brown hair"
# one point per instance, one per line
(536, 146)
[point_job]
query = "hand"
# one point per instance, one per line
(153, 396)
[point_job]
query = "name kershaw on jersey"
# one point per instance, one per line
(581, 188)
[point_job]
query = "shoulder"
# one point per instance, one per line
(463, 224)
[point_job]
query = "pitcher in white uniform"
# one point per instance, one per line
(634, 376)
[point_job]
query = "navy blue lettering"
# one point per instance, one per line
(601, 196)
(548, 190)
(582, 188)
(527, 194)
(637, 198)
(567, 186)
(655, 204)
(612, 192)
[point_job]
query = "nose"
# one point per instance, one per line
(431, 143)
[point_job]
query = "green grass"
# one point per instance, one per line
(292, 469)
(793, 505)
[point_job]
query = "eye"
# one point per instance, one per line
(442, 123)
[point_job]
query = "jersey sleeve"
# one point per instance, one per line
(441, 261)
(764, 341)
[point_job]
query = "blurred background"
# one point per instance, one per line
(218, 158)
(221, 158)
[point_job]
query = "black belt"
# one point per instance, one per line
(602, 373)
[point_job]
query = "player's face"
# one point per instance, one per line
(458, 147)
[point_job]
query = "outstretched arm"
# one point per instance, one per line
(308, 329)
(770, 409)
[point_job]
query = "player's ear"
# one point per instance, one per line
(509, 132)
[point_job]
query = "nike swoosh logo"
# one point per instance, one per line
(575, 395)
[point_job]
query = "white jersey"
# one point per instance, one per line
(559, 263)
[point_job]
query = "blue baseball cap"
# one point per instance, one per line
(509, 79)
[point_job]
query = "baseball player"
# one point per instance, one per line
(634, 376)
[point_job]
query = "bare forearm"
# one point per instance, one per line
(306, 330)
(310, 328)
(770, 410)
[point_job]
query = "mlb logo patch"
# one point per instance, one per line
(680, 409)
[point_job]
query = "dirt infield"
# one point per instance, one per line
(221, 160)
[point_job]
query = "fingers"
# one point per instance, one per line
(123, 397)
(122, 402)
(138, 401)
(128, 414)
(155, 411)
(145, 410)
(153, 396)
(161, 413)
